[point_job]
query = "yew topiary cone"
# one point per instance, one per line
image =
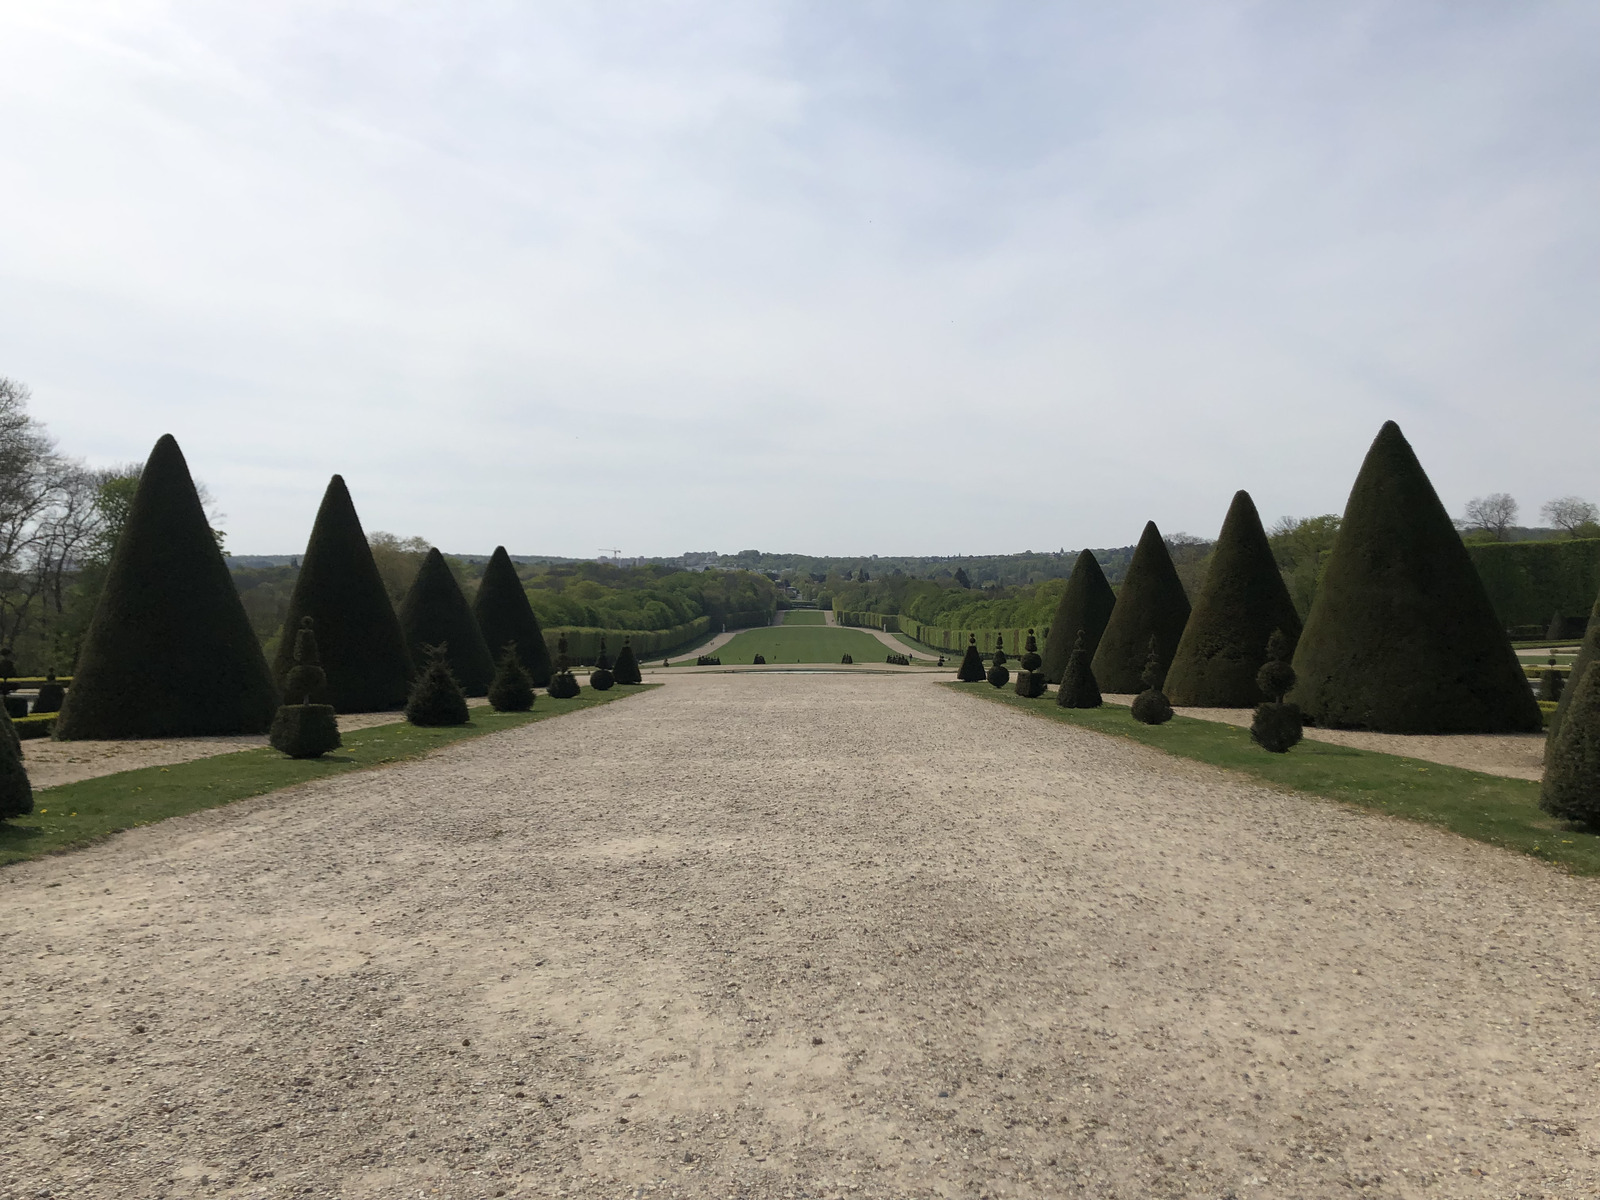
(16, 793)
(601, 678)
(1085, 608)
(626, 668)
(1401, 637)
(369, 667)
(1151, 604)
(1587, 650)
(1241, 603)
(504, 615)
(1571, 785)
(1079, 688)
(511, 690)
(436, 698)
(170, 651)
(971, 668)
(435, 613)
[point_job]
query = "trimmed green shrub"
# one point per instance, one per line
(899, 660)
(436, 698)
(1401, 637)
(1551, 682)
(563, 683)
(504, 615)
(16, 706)
(846, 659)
(51, 694)
(1277, 726)
(305, 730)
(169, 651)
(16, 793)
(971, 668)
(1030, 684)
(1085, 608)
(1151, 604)
(759, 660)
(1527, 581)
(1571, 786)
(1000, 658)
(435, 613)
(306, 678)
(998, 676)
(511, 689)
(1151, 706)
(1241, 602)
(600, 677)
(1587, 649)
(706, 660)
(368, 665)
(8, 731)
(1031, 660)
(1079, 688)
(41, 726)
(626, 668)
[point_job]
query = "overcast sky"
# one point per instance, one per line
(817, 277)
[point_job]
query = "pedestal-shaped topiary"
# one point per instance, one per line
(300, 728)
(1241, 602)
(435, 613)
(511, 689)
(1277, 725)
(436, 697)
(1151, 604)
(1551, 682)
(1151, 706)
(1000, 658)
(971, 668)
(563, 683)
(998, 676)
(601, 678)
(1401, 637)
(1030, 679)
(1079, 688)
(368, 665)
(1571, 786)
(626, 668)
(1031, 659)
(16, 793)
(51, 694)
(1587, 651)
(169, 651)
(504, 615)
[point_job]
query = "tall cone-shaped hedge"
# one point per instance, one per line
(435, 613)
(504, 615)
(169, 652)
(363, 651)
(1151, 604)
(16, 793)
(1085, 608)
(1580, 667)
(1241, 603)
(1401, 637)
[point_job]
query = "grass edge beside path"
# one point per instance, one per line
(71, 816)
(1486, 808)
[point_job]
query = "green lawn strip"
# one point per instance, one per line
(804, 616)
(932, 653)
(801, 644)
(76, 814)
(1488, 808)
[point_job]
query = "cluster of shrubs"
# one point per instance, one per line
(899, 660)
(708, 660)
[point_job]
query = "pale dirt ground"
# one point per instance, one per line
(827, 935)
(1515, 755)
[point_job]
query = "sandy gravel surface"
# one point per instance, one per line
(830, 935)
(1517, 755)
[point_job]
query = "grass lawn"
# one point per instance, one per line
(1487, 808)
(75, 814)
(802, 644)
(805, 616)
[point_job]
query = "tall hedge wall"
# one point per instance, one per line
(583, 645)
(1527, 582)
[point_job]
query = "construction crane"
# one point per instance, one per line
(613, 553)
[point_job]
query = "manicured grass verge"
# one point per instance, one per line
(76, 814)
(802, 644)
(1486, 808)
(804, 616)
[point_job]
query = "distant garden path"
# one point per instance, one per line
(756, 935)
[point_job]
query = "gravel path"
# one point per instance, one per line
(809, 935)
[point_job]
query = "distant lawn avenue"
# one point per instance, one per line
(805, 616)
(802, 644)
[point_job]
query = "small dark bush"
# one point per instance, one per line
(1151, 706)
(51, 694)
(1030, 684)
(706, 660)
(603, 660)
(1031, 659)
(16, 793)
(601, 678)
(16, 706)
(563, 684)
(899, 660)
(760, 659)
(998, 676)
(511, 689)
(1277, 726)
(971, 668)
(436, 697)
(626, 668)
(1276, 676)
(1551, 681)
(1078, 686)
(306, 677)
(41, 725)
(846, 659)
(1000, 658)
(304, 730)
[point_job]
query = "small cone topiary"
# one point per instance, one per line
(1241, 602)
(1151, 706)
(626, 668)
(563, 684)
(1031, 659)
(971, 668)
(1085, 608)
(601, 678)
(435, 613)
(846, 659)
(504, 615)
(300, 728)
(1277, 725)
(511, 689)
(436, 697)
(1587, 650)
(170, 651)
(358, 635)
(16, 793)
(760, 660)
(1571, 786)
(1078, 686)
(1401, 637)
(1151, 604)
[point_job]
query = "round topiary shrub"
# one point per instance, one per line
(563, 684)
(601, 678)
(998, 676)
(300, 728)
(1078, 686)
(1151, 706)
(511, 689)
(626, 668)
(971, 668)
(846, 659)
(1277, 726)
(1000, 658)
(50, 696)
(1031, 659)
(436, 698)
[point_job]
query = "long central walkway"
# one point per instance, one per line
(783, 936)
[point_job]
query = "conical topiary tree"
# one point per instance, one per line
(1085, 608)
(504, 615)
(435, 613)
(1241, 603)
(601, 678)
(511, 689)
(169, 651)
(1151, 604)
(302, 729)
(626, 668)
(971, 668)
(1401, 637)
(563, 683)
(1151, 706)
(998, 676)
(1030, 679)
(368, 665)
(436, 698)
(1571, 785)
(1587, 650)
(1277, 725)
(1078, 686)
(16, 793)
